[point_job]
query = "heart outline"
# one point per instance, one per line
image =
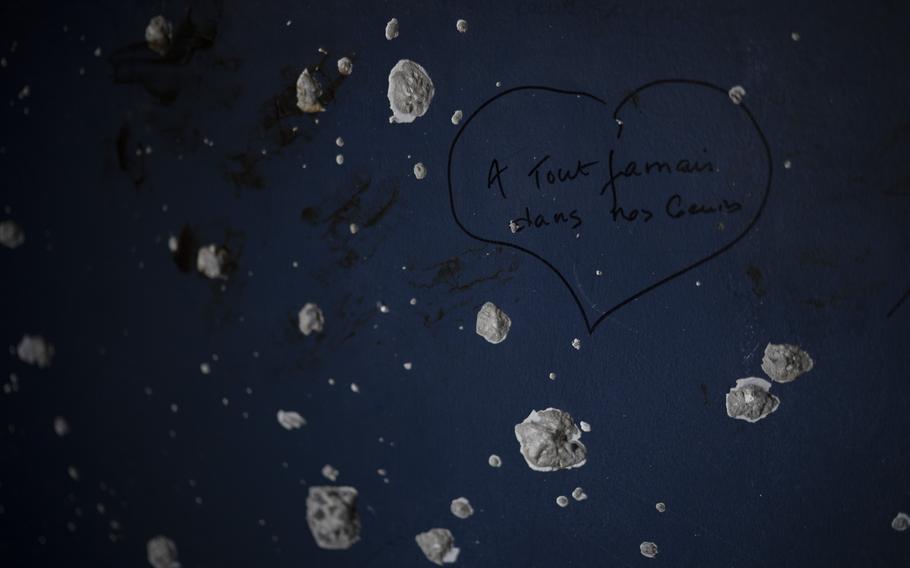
(591, 327)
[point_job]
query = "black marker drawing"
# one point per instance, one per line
(631, 196)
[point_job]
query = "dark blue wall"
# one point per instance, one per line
(826, 262)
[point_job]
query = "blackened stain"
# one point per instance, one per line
(159, 75)
(309, 215)
(187, 245)
(242, 170)
(383, 209)
(429, 320)
(820, 302)
(130, 157)
(899, 135)
(816, 258)
(234, 242)
(451, 273)
(758, 280)
(704, 392)
(366, 203)
(900, 188)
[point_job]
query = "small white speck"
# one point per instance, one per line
(552, 376)
(579, 494)
(413, 301)
(576, 344)
(787, 164)
(174, 408)
(562, 501)
(354, 228)
(585, 427)
(494, 461)
(660, 507)
(339, 159)
(795, 36)
(339, 141)
(355, 388)
(329, 472)
(97, 51)
(408, 366)
(599, 272)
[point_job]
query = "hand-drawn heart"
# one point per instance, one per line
(616, 205)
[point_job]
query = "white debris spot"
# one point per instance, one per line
(291, 420)
(438, 545)
(205, 368)
(457, 116)
(339, 141)
(576, 344)
(585, 427)
(61, 426)
(410, 91)
(355, 388)
(901, 522)
(159, 33)
(737, 94)
(308, 92)
(492, 323)
(339, 159)
(787, 164)
(11, 234)
(550, 441)
(784, 363)
(331, 514)
(420, 170)
(461, 26)
(648, 549)
(211, 261)
(35, 350)
(162, 552)
(795, 36)
(354, 228)
(552, 377)
(750, 400)
(25, 92)
(579, 494)
(391, 29)
(345, 66)
(173, 244)
(310, 319)
(461, 508)
(329, 472)
(562, 501)
(513, 226)
(408, 366)
(661, 507)
(494, 461)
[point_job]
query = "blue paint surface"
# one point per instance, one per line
(815, 484)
